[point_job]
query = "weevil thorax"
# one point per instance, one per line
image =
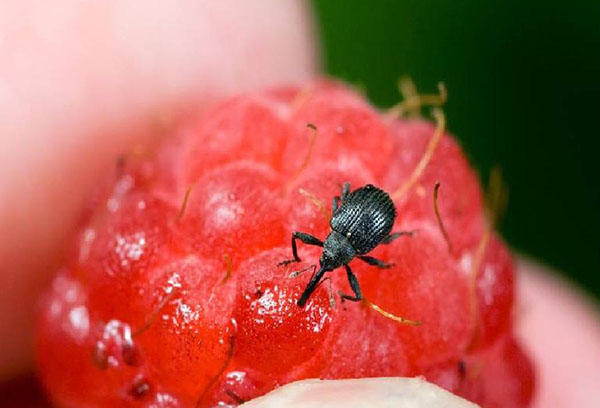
(337, 251)
(366, 216)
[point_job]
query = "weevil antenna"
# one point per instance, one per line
(311, 286)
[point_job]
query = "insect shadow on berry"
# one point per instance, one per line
(436, 209)
(496, 203)
(361, 220)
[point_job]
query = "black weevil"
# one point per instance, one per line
(363, 221)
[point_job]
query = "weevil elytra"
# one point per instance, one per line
(361, 220)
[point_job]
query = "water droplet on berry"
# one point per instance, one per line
(79, 322)
(465, 263)
(99, 356)
(486, 284)
(112, 204)
(116, 346)
(84, 245)
(140, 387)
(130, 355)
(130, 247)
(164, 400)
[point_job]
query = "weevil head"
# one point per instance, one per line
(337, 251)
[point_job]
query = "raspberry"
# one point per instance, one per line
(172, 302)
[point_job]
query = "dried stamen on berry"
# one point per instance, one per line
(439, 217)
(228, 266)
(213, 380)
(412, 101)
(316, 202)
(481, 247)
(391, 316)
(304, 165)
(497, 198)
(440, 120)
(186, 198)
(301, 96)
(154, 313)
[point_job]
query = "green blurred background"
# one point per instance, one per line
(524, 85)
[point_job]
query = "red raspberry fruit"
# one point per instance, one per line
(164, 305)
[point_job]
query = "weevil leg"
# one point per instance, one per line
(301, 271)
(310, 287)
(353, 285)
(340, 199)
(307, 239)
(396, 235)
(375, 262)
(335, 203)
(345, 191)
(331, 297)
